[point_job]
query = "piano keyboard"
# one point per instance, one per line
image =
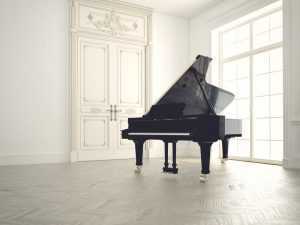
(160, 134)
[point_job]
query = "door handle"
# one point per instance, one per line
(111, 112)
(116, 111)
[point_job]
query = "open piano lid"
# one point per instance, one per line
(188, 91)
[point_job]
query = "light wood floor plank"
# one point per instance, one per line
(109, 193)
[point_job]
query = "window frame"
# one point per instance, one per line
(250, 53)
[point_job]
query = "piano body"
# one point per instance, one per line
(187, 111)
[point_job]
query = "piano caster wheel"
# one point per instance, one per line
(203, 178)
(224, 161)
(138, 169)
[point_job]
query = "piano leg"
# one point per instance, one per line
(174, 165)
(166, 164)
(166, 168)
(139, 155)
(205, 148)
(225, 149)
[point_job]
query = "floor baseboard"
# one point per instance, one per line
(291, 163)
(29, 159)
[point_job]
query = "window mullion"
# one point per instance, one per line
(270, 119)
(252, 52)
(251, 95)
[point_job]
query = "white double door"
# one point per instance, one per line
(111, 88)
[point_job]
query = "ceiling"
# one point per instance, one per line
(182, 8)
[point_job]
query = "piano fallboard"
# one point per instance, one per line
(204, 127)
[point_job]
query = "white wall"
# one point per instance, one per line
(170, 51)
(200, 41)
(291, 9)
(199, 38)
(170, 58)
(33, 81)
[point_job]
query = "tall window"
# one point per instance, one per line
(250, 66)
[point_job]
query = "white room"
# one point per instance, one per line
(149, 112)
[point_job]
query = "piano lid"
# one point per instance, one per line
(197, 99)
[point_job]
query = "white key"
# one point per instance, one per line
(160, 134)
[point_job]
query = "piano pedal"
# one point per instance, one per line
(138, 170)
(224, 160)
(203, 178)
(170, 170)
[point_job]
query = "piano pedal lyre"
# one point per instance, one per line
(166, 168)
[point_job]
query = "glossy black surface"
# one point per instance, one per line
(188, 111)
(187, 91)
(204, 127)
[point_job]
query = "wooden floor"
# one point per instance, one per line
(109, 193)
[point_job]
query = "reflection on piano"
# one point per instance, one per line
(188, 111)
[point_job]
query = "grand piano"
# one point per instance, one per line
(188, 111)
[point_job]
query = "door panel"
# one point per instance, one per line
(130, 75)
(95, 132)
(131, 92)
(94, 72)
(93, 68)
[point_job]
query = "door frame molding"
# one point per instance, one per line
(75, 33)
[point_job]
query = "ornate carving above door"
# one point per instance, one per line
(112, 23)
(111, 20)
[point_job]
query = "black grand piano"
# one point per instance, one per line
(188, 111)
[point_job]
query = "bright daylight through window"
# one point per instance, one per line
(250, 65)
